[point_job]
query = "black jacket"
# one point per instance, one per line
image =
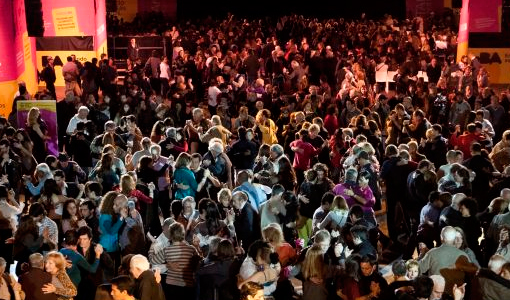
(48, 75)
(247, 225)
(147, 288)
(242, 154)
(365, 248)
(218, 280)
(435, 151)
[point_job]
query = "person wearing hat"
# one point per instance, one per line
(48, 76)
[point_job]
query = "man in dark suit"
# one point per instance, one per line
(133, 50)
(65, 111)
(251, 65)
(274, 65)
(48, 76)
(247, 221)
(33, 281)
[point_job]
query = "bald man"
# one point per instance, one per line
(444, 256)
(489, 284)
(451, 216)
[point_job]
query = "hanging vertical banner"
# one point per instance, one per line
(463, 37)
(17, 54)
(485, 16)
(100, 39)
(48, 113)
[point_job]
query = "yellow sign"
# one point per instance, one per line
(48, 105)
(496, 61)
(60, 59)
(127, 9)
(66, 21)
(10, 88)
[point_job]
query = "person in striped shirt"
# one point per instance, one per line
(182, 261)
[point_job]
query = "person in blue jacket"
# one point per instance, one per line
(79, 263)
(184, 178)
(110, 223)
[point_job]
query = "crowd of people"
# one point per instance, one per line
(261, 155)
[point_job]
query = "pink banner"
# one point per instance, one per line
(22, 47)
(100, 34)
(484, 16)
(464, 22)
(7, 68)
(14, 50)
(68, 17)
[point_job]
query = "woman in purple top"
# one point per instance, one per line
(345, 189)
(357, 192)
(362, 194)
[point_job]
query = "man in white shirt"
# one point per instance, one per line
(164, 76)
(81, 116)
(157, 249)
(9, 208)
(486, 124)
(212, 96)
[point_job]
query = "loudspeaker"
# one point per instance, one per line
(34, 17)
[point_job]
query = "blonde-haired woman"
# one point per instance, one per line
(37, 131)
(273, 234)
(61, 285)
(315, 272)
(337, 216)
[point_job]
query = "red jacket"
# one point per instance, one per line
(463, 142)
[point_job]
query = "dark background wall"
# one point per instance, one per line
(262, 8)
